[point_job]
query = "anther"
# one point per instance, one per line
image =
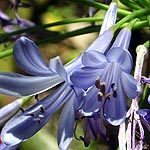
(97, 82)
(115, 92)
(108, 96)
(103, 87)
(112, 85)
(36, 97)
(21, 108)
(42, 110)
(32, 114)
(39, 121)
(100, 96)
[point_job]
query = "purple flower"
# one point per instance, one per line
(107, 80)
(25, 124)
(28, 58)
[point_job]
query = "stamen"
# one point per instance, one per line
(36, 97)
(103, 87)
(39, 121)
(108, 96)
(112, 85)
(42, 109)
(21, 108)
(97, 82)
(100, 96)
(32, 114)
(115, 92)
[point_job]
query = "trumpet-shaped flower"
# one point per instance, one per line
(25, 124)
(107, 79)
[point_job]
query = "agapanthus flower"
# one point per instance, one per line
(44, 77)
(107, 79)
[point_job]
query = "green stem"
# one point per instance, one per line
(63, 36)
(6, 53)
(130, 4)
(137, 25)
(57, 38)
(40, 27)
(101, 6)
(130, 17)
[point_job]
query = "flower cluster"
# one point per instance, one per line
(93, 88)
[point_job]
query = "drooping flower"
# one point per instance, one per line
(108, 80)
(44, 77)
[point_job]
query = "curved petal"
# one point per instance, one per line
(123, 39)
(66, 125)
(94, 59)
(102, 43)
(28, 57)
(85, 77)
(17, 85)
(121, 56)
(92, 104)
(115, 108)
(130, 85)
(56, 66)
(25, 124)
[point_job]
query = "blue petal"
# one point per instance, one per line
(8, 111)
(123, 39)
(27, 56)
(66, 125)
(56, 66)
(17, 85)
(122, 57)
(102, 43)
(130, 85)
(3, 146)
(24, 125)
(115, 108)
(92, 104)
(94, 59)
(110, 17)
(144, 113)
(85, 77)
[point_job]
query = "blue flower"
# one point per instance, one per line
(107, 80)
(25, 124)
(27, 56)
